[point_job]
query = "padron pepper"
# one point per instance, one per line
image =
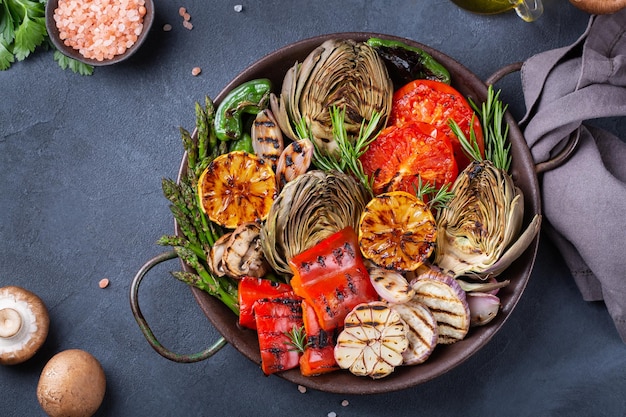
(407, 63)
(248, 97)
(332, 278)
(244, 143)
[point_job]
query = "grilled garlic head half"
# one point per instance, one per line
(372, 341)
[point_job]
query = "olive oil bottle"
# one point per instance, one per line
(528, 10)
(485, 6)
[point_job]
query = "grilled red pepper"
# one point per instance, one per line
(252, 289)
(332, 278)
(275, 320)
(319, 353)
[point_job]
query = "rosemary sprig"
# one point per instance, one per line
(495, 132)
(297, 338)
(437, 198)
(350, 148)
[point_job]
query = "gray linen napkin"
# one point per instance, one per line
(584, 199)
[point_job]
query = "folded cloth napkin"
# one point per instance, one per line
(584, 199)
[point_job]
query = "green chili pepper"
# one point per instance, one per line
(244, 143)
(248, 97)
(407, 63)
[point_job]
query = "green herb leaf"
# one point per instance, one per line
(437, 198)
(495, 129)
(74, 65)
(297, 338)
(350, 148)
(495, 132)
(6, 56)
(30, 34)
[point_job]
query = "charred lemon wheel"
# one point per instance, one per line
(237, 188)
(397, 231)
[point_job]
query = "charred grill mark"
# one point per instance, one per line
(351, 287)
(305, 266)
(338, 255)
(349, 250)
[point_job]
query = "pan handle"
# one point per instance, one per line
(143, 324)
(562, 156)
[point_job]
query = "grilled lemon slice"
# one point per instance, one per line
(237, 188)
(397, 231)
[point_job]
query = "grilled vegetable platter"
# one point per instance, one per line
(356, 213)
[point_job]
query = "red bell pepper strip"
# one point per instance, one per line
(332, 277)
(275, 319)
(319, 353)
(250, 290)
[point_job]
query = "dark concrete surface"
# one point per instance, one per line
(81, 160)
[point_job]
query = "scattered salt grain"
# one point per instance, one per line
(196, 71)
(238, 8)
(345, 403)
(182, 11)
(104, 282)
(167, 27)
(187, 25)
(302, 389)
(332, 414)
(100, 29)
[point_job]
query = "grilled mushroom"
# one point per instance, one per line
(243, 254)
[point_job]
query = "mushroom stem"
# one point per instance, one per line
(10, 322)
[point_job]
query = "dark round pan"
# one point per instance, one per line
(444, 358)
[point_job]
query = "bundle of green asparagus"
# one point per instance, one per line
(198, 233)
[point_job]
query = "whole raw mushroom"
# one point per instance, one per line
(72, 384)
(599, 6)
(24, 324)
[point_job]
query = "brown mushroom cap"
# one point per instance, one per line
(24, 324)
(599, 6)
(72, 384)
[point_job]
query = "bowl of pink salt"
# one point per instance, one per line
(98, 32)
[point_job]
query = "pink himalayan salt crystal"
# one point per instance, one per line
(100, 29)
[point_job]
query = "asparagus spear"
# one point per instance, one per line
(211, 284)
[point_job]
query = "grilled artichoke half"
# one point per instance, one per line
(310, 208)
(339, 73)
(479, 229)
